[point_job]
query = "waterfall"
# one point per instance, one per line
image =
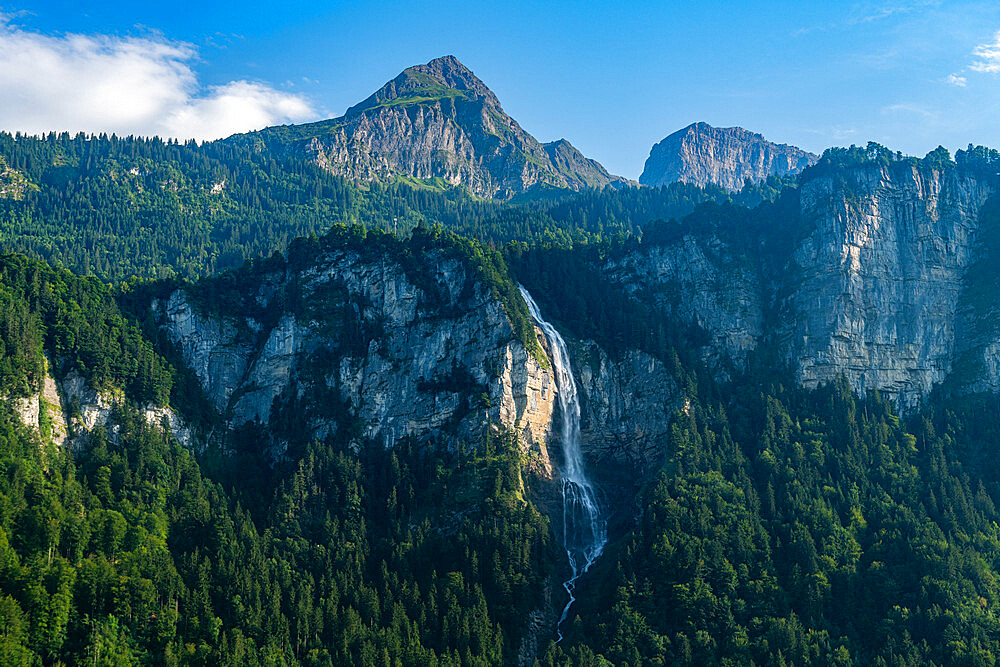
(584, 528)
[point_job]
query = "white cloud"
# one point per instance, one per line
(127, 85)
(956, 80)
(988, 55)
(836, 132)
(910, 109)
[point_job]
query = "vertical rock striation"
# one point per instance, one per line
(878, 281)
(437, 122)
(866, 275)
(367, 350)
(724, 156)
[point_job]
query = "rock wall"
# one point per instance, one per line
(871, 287)
(431, 359)
(702, 281)
(878, 281)
(67, 409)
(725, 156)
(625, 406)
(44, 411)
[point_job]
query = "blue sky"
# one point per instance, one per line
(612, 78)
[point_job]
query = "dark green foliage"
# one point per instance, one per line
(572, 291)
(977, 159)
(129, 553)
(837, 160)
(808, 528)
(119, 208)
(126, 553)
(395, 554)
(79, 324)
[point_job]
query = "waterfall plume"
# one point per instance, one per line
(584, 527)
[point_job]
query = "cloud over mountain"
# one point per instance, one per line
(129, 85)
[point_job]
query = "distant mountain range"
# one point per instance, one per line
(438, 125)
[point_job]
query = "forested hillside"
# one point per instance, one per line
(132, 551)
(791, 527)
(771, 524)
(128, 207)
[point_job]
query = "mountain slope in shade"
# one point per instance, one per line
(579, 170)
(438, 121)
(726, 156)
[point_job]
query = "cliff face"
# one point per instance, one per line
(438, 121)
(436, 365)
(879, 280)
(874, 285)
(625, 406)
(66, 409)
(703, 281)
(725, 156)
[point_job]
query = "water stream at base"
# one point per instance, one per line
(584, 528)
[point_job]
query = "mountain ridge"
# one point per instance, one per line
(437, 120)
(726, 156)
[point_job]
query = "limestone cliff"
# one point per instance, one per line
(66, 409)
(878, 281)
(369, 352)
(702, 281)
(626, 405)
(865, 275)
(726, 156)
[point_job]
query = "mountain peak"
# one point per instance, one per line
(438, 121)
(726, 156)
(441, 78)
(702, 128)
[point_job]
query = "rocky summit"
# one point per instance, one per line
(439, 124)
(724, 156)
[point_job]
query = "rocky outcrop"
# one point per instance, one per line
(869, 279)
(213, 348)
(370, 353)
(879, 279)
(89, 408)
(724, 156)
(702, 281)
(625, 406)
(13, 184)
(43, 411)
(437, 121)
(67, 409)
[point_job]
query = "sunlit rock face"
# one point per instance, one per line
(867, 277)
(726, 156)
(439, 123)
(368, 350)
(879, 280)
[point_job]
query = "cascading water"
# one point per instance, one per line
(584, 528)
